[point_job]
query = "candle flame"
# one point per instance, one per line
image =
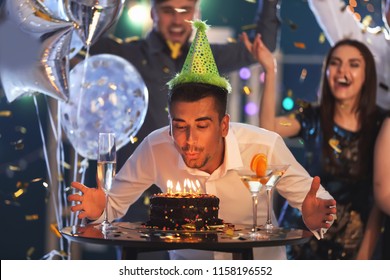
(188, 186)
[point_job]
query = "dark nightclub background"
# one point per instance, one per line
(24, 198)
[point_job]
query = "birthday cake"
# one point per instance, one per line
(173, 211)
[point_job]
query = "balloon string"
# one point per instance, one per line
(82, 84)
(58, 216)
(74, 217)
(57, 133)
(60, 156)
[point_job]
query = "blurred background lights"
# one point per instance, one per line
(138, 13)
(251, 109)
(245, 73)
(288, 103)
(262, 77)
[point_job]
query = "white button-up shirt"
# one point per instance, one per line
(156, 161)
(339, 23)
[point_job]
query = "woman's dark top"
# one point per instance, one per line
(339, 175)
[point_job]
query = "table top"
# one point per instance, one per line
(136, 235)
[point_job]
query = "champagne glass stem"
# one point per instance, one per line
(254, 206)
(268, 224)
(106, 211)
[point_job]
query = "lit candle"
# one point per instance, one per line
(178, 188)
(187, 185)
(169, 186)
(198, 186)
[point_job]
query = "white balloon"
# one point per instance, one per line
(107, 94)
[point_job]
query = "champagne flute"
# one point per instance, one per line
(253, 183)
(106, 168)
(277, 172)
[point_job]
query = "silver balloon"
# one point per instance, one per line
(107, 94)
(56, 9)
(93, 17)
(34, 51)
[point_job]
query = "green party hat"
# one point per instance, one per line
(200, 66)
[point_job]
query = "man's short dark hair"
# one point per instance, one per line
(191, 92)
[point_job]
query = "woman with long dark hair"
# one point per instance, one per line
(339, 134)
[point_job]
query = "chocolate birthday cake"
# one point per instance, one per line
(183, 211)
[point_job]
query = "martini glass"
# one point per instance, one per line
(253, 183)
(276, 172)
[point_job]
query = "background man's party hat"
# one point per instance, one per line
(200, 66)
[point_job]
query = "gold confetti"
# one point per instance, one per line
(367, 21)
(66, 165)
(21, 129)
(248, 27)
(54, 229)
(14, 168)
(32, 217)
(29, 252)
(60, 177)
(299, 45)
(166, 69)
(285, 123)
(322, 38)
(229, 232)
(36, 180)
(19, 145)
(18, 193)
(133, 139)
(231, 40)
(334, 143)
(146, 200)
(112, 86)
(5, 113)
(246, 90)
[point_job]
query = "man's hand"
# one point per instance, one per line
(317, 212)
(92, 201)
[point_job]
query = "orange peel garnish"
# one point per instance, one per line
(259, 164)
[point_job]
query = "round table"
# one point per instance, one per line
(136, 238)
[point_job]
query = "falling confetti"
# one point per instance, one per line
(322, 38)
(303, 75)
(299, 45)
(334, 143)
(13, 168)
(21, 129)
(5, 113)
(54, 229)
(246, 90)
(32, 217)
